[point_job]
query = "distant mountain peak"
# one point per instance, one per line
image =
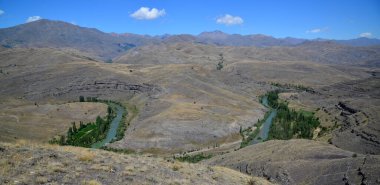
(261, 36)
(48, 21)
(213, 33)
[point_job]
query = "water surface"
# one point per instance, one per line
(113, 127)
(264, 130)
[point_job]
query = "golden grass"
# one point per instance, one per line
(5, 167)
(45, 120)
(91, 182)
(21, 142)
(41, 180)
(32, 144)
(86, 155)
(56, 167)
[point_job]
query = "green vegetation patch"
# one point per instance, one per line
(289, 123)
(90, 133)
(293, 86)
(220, 64)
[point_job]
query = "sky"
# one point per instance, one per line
(330, 19)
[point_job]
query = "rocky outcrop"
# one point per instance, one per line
(108, 85)
(97, 89)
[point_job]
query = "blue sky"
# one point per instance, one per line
(333, 19)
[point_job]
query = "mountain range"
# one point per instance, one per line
(48, 33)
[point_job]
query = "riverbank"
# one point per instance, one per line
(262, 127)
(280, 122)
(113, 127)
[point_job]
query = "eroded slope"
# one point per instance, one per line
(302, 162)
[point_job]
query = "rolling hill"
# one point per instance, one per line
(186, 95)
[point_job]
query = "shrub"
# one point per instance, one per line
(86, 156)
(176, 166)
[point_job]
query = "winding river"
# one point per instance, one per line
(264, 130)
(263, 134)
(113, 127)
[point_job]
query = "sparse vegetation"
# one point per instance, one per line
(293, 86)
(193, 158)
(118, 150)
(37, 163)
(220, 65)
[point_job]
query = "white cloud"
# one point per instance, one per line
(229, 20)
(33, 18)
(1, 12)
(145, 13)
(366, 34)
(317, 30)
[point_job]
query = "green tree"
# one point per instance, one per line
(75, 130)
(81, 125)
(88, 99)
(81, 98)
(70, 136)
(62, 140)
(109, 110)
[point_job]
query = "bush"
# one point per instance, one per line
(219, 66)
